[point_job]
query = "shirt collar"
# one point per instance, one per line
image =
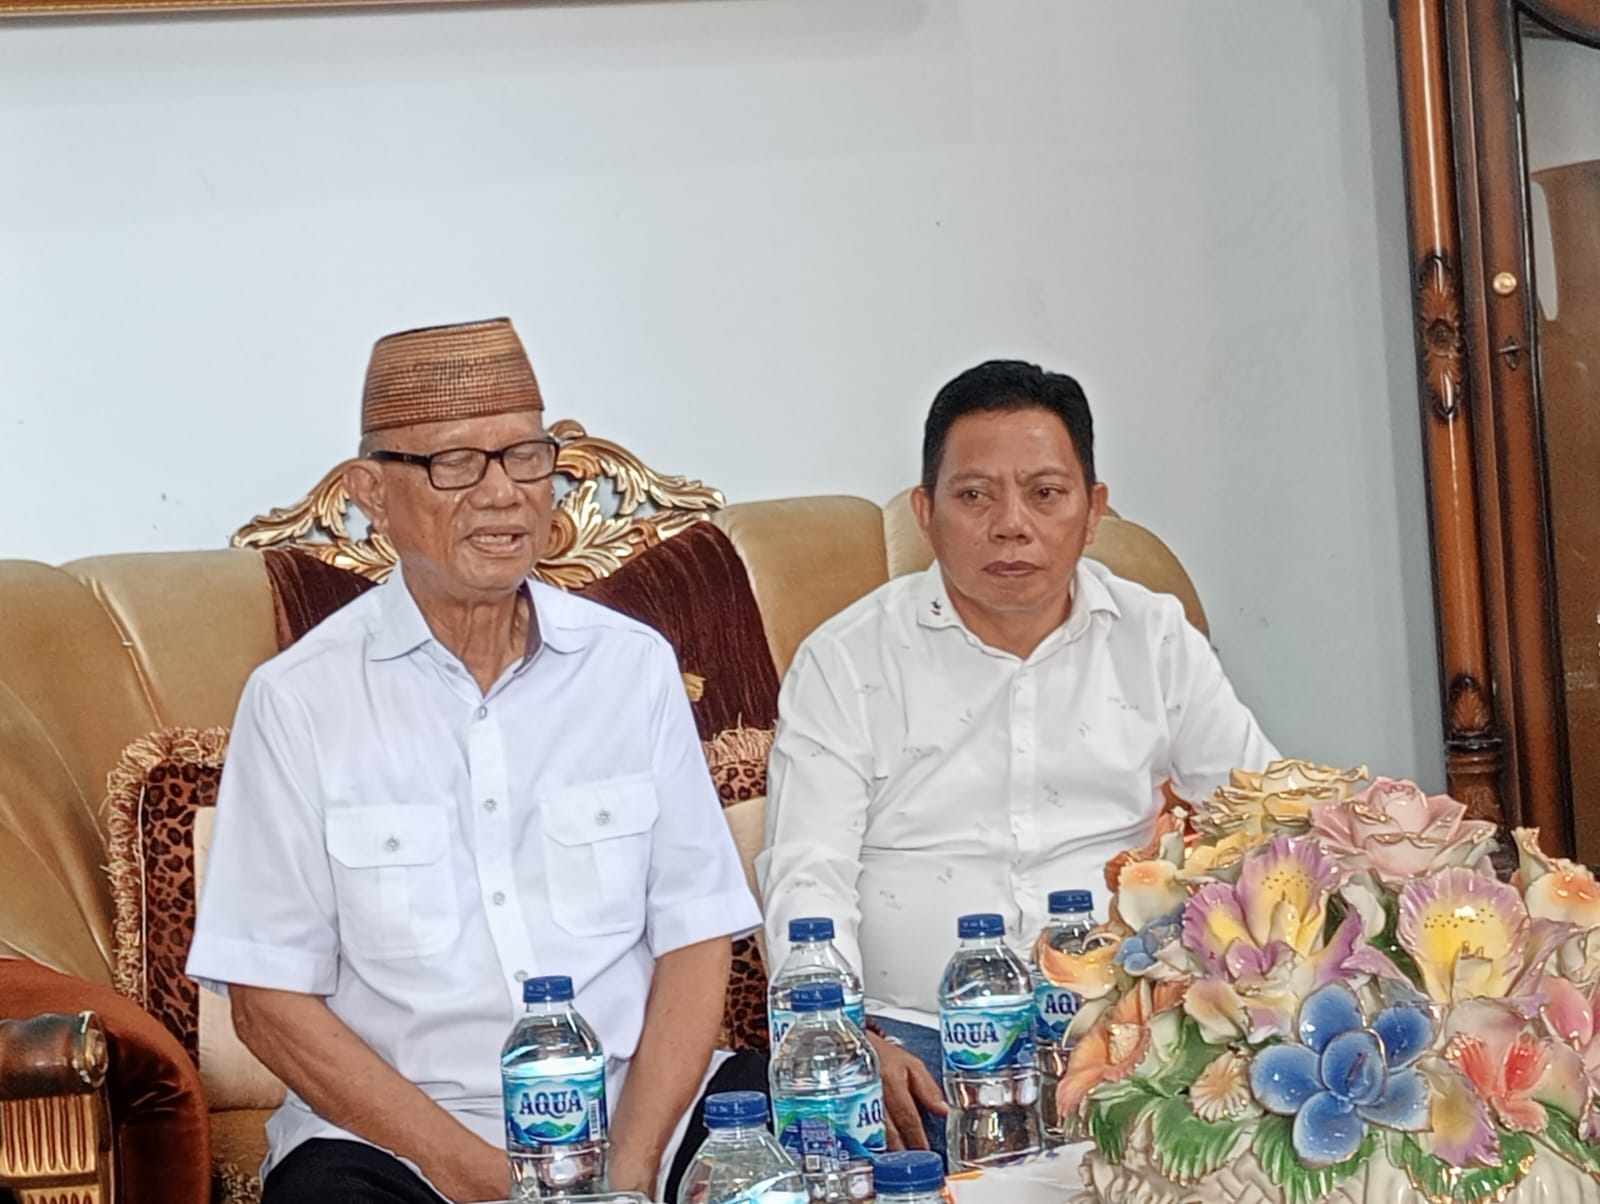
(1089, 595)
(402, 628)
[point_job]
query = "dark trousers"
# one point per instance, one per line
(326, 1171)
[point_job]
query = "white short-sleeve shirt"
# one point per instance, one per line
(394, 839)
(919, 774)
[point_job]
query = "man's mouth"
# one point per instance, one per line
(497, 542)
(1010, 568)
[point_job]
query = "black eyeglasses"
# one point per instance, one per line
(463, 467)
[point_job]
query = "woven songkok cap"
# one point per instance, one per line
(445, 373)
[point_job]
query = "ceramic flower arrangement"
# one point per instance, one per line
(1316, 976)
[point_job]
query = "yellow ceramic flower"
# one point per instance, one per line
(1222, 1089)
(1276, 800)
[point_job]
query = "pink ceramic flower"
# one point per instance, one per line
(1572, 1016)
(1513, 1070)
(1394, 830)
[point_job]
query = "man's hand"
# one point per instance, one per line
(627, 1173)
(479, 1172)
(906, 1083)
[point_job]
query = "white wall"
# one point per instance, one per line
(750, 238)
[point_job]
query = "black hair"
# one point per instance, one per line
(1004, 386)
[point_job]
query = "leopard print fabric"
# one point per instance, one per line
(737, 759)
(159, 784)
(744, 1015)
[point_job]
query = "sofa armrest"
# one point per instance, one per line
(141, 1134)
(53, 1054)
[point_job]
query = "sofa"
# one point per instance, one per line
(101, 1096)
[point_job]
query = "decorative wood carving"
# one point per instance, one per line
(1438, 301)
(1477, 348)
(615, 507)
(1472, 741)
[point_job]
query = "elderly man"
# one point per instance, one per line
(462, 779)
(970, 738)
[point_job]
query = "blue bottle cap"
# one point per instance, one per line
(552, 988)
(1069, 902)
(735, 1110)
(908, 1170)
(971, 928)
(816, 997)
(811, 928)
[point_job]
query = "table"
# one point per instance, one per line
(1051, 1178)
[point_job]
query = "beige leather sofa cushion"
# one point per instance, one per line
(1126, 548)
(197, 624)
(808, 558)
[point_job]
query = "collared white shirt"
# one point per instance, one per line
(919, 775)
(395, 839)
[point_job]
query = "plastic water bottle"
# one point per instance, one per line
(1070, 923)
(986, 1028)
(910, 1177)
(812, 958)
(827, 1098)
(740, 1162)
(554, 1076)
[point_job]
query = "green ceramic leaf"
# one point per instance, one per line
(1191, 1055)
(1435, 1177)
(1186, 1147)
(1274, 1149)
(1561, 1135)
(1388, 942)
(1111, 1120)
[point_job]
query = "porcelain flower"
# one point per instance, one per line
(1091, 974)
(1218, 1009)
(1459, 1129)
(1264, 934)
(1166, 844)
(1572, 1016)
(1148, 890)
(1345, 1074)
(1560, 890)
(1471, 936)
(1156, 950)
(1394, 830)
(1114, 1047)
(1222, 1090)
(1277, 800)
(1513, 1071)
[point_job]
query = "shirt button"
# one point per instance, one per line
(489, 804)
(392, 843)
(483, 712)
(602, 817)
(499, 897)
(521, 976)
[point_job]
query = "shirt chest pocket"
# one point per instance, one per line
(597, 840)
(392, 880)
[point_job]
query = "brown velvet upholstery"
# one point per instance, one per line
(163, 1137)
(306, 590)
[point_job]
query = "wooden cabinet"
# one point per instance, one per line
(1501, 108)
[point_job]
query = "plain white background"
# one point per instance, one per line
(749, 239)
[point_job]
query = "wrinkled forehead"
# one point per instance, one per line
(490, 432)
(1009, 444)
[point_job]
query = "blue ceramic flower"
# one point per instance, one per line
(1137, 954)
(1345, 1074)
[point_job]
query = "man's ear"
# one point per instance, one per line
(363, 481)
(922, 507)
(1099, 497)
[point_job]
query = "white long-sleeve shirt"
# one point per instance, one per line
(394, 839)
(919, 775)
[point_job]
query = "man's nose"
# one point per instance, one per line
(1011, 520)
(497, 488)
